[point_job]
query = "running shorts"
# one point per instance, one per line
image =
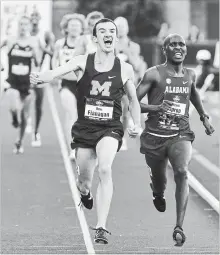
(87, 135)
(157, 147)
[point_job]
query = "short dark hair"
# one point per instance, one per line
(104, 20)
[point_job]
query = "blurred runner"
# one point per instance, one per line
(85, 44)
(45, 42)
(167, 136)
(98, 132)
(22, 52)
(128, 51)
(73, 26)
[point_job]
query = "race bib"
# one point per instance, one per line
(100, 110)
(20, 69)
(170, 120)
(179, 103)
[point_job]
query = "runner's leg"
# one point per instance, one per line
(106, 150)
(179, 155)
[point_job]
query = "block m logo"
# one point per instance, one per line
(97, 88)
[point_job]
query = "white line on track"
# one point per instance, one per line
(193, 182)
(206, 163)
(69, 171)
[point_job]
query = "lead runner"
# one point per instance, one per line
(98, 132)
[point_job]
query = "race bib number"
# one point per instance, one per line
(170, 120)
(20, 69)
(179, 103)
(100, 110)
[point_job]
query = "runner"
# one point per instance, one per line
(73, 26)
(167, 136)
(128, 51)
(22, 50)
(98, 132)
(45, 51)
(85, 44)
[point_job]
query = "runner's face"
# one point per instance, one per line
(24, 26)
(91, 24)
(106, 36)
(176, 50)
(74, 27)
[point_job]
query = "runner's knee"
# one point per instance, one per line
(181, 172)
(104, 171)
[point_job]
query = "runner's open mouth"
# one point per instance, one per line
(108, 42)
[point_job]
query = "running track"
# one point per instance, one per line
(39, 215)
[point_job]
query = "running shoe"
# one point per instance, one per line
(18, 149)
(87, 200)
(101, 235)
(36, 140)
(159, 202)
(15, 122)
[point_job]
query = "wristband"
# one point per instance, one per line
(203, 116)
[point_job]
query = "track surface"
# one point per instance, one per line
(38, 213)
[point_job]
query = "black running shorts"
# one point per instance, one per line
(157, 147)
(87, 135)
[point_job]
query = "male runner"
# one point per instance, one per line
(167, 136)
(22, 50)
(85, 44)
(73, 26)
(98, 132)
(45, 42)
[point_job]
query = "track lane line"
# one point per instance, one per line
(69, 170)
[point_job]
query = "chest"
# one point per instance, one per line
(19, 52)
(66, 53)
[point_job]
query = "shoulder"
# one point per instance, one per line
(152, 74)
(60, 42)
(127, 71)
(191, 73)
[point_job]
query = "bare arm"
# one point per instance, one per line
(134, 106)
(75, 64)
(195, 97)
(55, 58)
(150, 78)
(4, 43)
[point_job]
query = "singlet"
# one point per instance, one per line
(176, 90)
(99, 93)
(19, 60)
(65, 54)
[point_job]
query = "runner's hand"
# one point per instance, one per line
(34, 79)
(166, 106)
(208, 127)
(134, 131)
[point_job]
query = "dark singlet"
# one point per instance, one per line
(99, 94)
(178, 91)
(20, 61)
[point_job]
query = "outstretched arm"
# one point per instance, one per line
(74, 64)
